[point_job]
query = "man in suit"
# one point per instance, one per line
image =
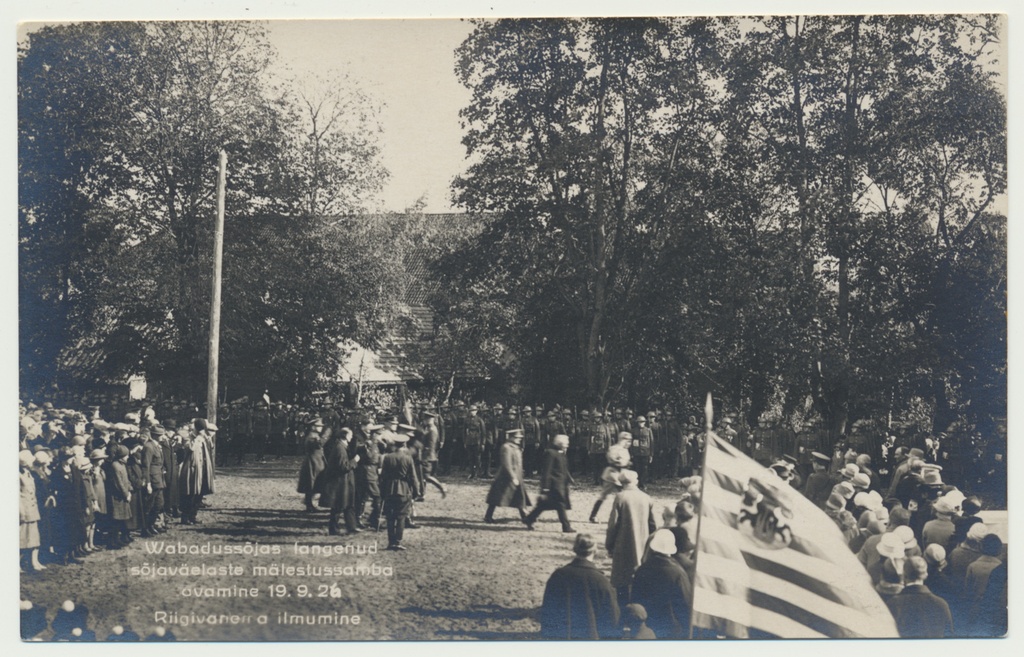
(664, 589)
(919, 613)
(554, 484)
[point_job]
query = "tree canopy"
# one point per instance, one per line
(793, 212)
(120, 125)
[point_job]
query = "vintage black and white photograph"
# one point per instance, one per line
(513, 329)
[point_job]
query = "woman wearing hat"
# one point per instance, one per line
(119, 496)
(28, 513)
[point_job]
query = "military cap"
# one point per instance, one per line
(584, 413)
(527, 409)
(429, 413)
(512, 434)
(498, 407)
(474, 407)
(641, 418)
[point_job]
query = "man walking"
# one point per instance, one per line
(554, 484)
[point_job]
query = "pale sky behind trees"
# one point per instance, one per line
(409, 65)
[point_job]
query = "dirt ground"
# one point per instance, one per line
(459, 579)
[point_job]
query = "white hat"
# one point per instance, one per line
(663, 541)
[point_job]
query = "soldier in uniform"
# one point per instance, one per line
(475, 430)
(431, 443)
(554, 427)
(226, 441)
(261, 430)
(762, 439)
(491, 441)
(597, 445)
(642, 451)
(367, 438)
(278, 430)
(531, 440)
(243, 430)
(664, 454)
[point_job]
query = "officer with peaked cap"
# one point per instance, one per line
(508, 488)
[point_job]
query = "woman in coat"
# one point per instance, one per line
(338, 484)
(508, 489)
(133, 466)
(313, 464)
(28, 513)
(119, 496)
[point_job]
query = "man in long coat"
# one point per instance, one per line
(338, 484)
(508, 488)
(554, 484)
(313, 464)
(398, 484)
(630, 524)
(196, 477)
(579, 601)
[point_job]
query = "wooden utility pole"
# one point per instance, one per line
(218, 254)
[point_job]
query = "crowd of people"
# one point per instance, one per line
(939, 568)
(89, 484)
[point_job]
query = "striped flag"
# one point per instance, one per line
(771, 563)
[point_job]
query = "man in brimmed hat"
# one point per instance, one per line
(579, 601)
(663, 588)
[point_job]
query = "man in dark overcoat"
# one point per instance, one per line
(663, 588)
(398, 485)
(508, 488)
(338, 484)
(579, 601)
(554, 484)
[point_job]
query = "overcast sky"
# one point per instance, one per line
(409, 65)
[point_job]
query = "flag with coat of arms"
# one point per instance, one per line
(769, 563)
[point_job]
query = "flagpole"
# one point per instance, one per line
(709, 412)
(214, 344)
